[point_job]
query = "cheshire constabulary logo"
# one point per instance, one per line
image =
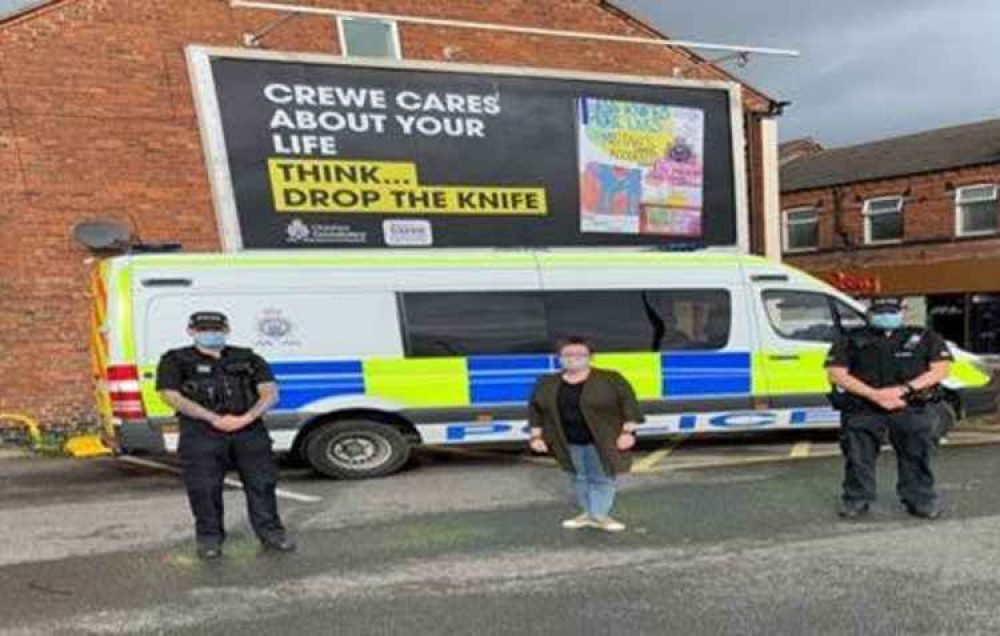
(297, 231)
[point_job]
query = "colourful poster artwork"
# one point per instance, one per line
(641, 168)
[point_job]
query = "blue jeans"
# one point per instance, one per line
(595, 489)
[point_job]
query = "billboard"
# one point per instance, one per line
(316, 152)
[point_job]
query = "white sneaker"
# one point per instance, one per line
(608, 524)
(581, 521)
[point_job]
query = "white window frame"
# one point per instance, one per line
(397, 47)
(868, 214)
(958, 209)
(784, 229)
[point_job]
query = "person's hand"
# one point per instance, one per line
(890, 398)
(229, 423)
(626, 441)
(538, 445)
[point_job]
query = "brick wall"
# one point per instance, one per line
(97, 121)
(929, 222)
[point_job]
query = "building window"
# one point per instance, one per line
(884, 220)
(369, 38)
(977, 210)
(801, 230)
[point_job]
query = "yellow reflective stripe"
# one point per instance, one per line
(155, 406)
(98, 345)
(758, 374)
(967, 374)
(802, 371)
(642, 370)
(125, 335)
(414, 382)
(422, 259)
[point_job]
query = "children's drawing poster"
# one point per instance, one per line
(641, 168)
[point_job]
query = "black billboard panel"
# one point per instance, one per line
(319, 153)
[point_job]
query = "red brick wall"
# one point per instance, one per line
(929, 213)
(97, 121)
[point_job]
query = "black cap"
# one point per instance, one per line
(208, 320)
(886, 306)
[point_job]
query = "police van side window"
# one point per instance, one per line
(611, 320)
(847, 316)
(473, 323)
(693, 319)
(642, 321)
(800, 315)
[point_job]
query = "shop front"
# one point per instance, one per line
(958, 299)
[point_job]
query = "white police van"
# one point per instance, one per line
(378, 352)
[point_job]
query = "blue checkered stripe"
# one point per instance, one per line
(300, 383)
(509, 379)
(691, 375)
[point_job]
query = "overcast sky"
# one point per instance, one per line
(869, 69)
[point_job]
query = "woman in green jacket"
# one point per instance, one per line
(586, 418)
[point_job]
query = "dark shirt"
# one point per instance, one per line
(571, 416)
(882, 360)
(226, 385)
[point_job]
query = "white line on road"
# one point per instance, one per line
(229, 481)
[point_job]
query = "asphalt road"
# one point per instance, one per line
(472, 545)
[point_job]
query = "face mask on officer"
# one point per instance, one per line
(213, 340)
(887, 320)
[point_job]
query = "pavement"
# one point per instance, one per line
(470, 543)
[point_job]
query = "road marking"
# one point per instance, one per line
(800, 449)
(229, 481)
(649, 462)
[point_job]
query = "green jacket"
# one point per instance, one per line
(607, 402)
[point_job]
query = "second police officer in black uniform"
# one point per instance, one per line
(886, 379)
(220, 394)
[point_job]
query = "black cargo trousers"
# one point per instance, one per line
(912, 435)
(206, 455)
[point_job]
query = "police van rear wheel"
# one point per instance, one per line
(357, 449)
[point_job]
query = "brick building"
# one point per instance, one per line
(97, 122)
(914, 217)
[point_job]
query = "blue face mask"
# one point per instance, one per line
(887, 322)
(210, 339)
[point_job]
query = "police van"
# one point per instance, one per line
(378, 352)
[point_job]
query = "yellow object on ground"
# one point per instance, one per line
(86, 446)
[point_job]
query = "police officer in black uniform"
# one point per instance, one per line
(220, 394)
(886, 379)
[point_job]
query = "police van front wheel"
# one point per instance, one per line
(356, 449)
